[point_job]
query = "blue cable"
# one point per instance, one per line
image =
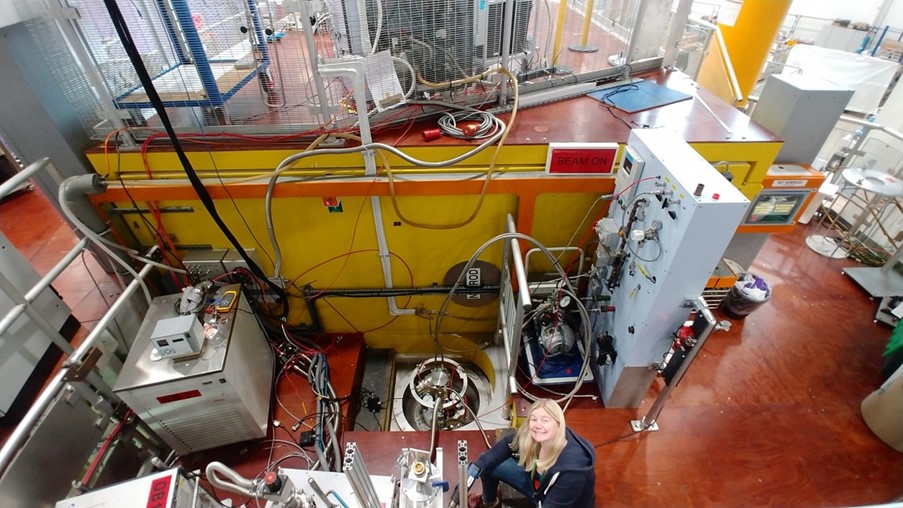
(337, 497)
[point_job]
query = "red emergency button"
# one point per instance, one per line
(273, 482)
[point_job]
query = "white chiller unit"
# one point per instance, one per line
(221, 396)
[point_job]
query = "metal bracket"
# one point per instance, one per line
(695, 303)
(642, 426)
(60, 13)
(80, 371)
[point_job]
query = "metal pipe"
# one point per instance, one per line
(239, 484)
(20, 177)
(55, 272)
(434, 433)
(520, 273)
(724, 126)
(11, 317)
(364, 28)
(7, 287)
(476, 420)
(110, 315)
(587, 21)
(24, 306)
(659, 404)
(729, 68)
(314, 486)
(308, 31)
(523, 295)
(507, 29)
(24, 428)
(355, 69)
(559, 32)
(879, 41)
(385, 258)
(872, 126)
(555, 249)
(26, 425)
(310, 292)
(535, 26)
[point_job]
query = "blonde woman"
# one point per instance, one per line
(544, 460)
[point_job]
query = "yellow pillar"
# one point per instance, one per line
(751, 37)
(559, 30)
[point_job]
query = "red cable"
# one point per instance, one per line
(103, 448)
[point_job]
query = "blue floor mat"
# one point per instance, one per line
(639, 96)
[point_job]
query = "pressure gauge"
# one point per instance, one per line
(565, 301)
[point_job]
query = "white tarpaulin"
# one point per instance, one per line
(868, 76)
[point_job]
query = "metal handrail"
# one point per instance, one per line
(867, 128)
(728, 67)
(555, 249)
(24, 428)
(870, 126)
(519, 306)
(23, 302)
(22, 176)
(726, 58)
(76, 355)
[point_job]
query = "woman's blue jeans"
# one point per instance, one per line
(509, 472)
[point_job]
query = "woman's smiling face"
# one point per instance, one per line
(542, 426)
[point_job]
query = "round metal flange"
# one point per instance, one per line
(435, 372)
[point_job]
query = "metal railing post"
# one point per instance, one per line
(24, 428)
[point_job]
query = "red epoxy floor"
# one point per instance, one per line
(767, 416)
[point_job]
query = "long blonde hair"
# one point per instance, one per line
(529, 449)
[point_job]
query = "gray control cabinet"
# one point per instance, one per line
(802, 110)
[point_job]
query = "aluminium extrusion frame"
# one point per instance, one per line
(462, 473)
(356, 472)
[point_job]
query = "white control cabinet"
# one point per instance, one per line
(676, 223)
